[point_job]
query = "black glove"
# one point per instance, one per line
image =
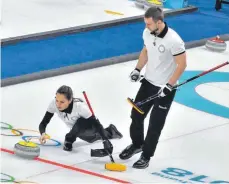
(165, 90)
(135, 75)
(108, 146)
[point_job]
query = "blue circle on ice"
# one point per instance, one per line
(188, 96)
(54, 142)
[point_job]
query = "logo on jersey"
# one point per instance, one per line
(74, 118)
(161, 48)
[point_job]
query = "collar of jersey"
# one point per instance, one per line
(163, 33)
(69, 109)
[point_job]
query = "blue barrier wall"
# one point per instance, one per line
(34, 56)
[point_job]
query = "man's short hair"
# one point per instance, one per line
(155, 13)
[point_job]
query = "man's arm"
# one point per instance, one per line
(180, 59)
(181, 65)
(143, 58)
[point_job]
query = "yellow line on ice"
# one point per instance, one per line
(113, 13)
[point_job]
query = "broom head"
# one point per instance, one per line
(115, 167)
(135, 106)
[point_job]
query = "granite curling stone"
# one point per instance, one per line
(28, 150)
(145, 4)
(216, 44)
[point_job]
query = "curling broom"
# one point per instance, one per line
(109, 166)
(136, 105)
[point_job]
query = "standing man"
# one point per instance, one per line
(165, 59)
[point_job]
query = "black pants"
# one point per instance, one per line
(158, 116)
(86, 130)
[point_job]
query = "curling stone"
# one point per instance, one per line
(153, 3)
(145, 4)
(216, 44)
(139, 3)
(28, 150)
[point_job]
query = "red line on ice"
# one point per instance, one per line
(72, 168)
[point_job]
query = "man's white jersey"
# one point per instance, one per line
(79, 109)
(161, 51)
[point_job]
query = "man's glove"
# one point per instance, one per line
(108, 146)
(135, 75)
(165, 90)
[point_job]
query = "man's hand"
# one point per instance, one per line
(165, 90)
(135, 75)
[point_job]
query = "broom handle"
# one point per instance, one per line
(89, 105)
(201, 74)
(195, 77)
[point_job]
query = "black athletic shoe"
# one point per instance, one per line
(67, 146)
(115, 132)
(129, 151)
(142, 163)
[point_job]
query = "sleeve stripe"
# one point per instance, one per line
(179, 53)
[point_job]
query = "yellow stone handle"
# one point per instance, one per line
(28, 144)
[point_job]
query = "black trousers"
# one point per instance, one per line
(160, 108)
(86, 130)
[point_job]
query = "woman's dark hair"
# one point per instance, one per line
(155, 13)
(66, 91)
